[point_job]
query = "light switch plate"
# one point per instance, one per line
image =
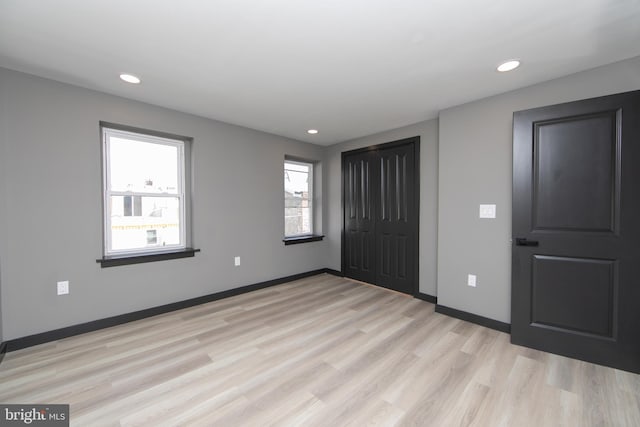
(487, 211)
(63, 287)
(471, 280)
(236, 261)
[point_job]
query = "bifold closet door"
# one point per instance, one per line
(359, 217)
(380, 216)
(394, 220)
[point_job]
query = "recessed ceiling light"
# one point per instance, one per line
(130, 78)
(509, 65)
(312, 131)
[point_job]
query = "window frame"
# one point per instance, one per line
(107, 130)
(302, 237)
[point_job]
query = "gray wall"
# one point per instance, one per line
(51, 221)
(475, 167)
(428, 132)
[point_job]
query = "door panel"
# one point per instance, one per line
(386, 202)
(575, 204)
(403, 249)
(582, 197)
(395, 222)
(402, 186)
(359, 221)
(364, 251)
(574, 294)
(353, 244)
(386, 256)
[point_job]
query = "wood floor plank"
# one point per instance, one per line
(317, 351)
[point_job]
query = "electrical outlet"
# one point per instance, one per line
(236, 261)
(63, 287)
(471, 280)
(487, 211)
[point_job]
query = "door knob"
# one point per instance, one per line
(521, 241)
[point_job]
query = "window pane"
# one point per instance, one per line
(296, 183)
(152, 237)
(297, 221)
(296, 167)
(157, 225)
(142, 166)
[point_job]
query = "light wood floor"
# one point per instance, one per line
(322, 351)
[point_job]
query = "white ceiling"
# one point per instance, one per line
(346, 67)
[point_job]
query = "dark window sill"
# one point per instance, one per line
(114, 261)
(301, 239)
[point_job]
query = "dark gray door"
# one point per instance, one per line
(576, 230)
(395, 224)
(380, 191)
(359, 217)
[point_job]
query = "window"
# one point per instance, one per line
(152, 237)
(298, 198)
(299, 221)
(144, 192)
